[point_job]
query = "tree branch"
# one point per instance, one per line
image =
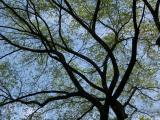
(133, 55)
(91, 108)
(95, 14)
(9, 53)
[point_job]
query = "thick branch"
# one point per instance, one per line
(94, 35)
(133, 56)
(155, 13)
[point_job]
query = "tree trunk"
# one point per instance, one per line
(119, 110)
(104, 113)
(103, 116)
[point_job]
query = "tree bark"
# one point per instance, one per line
(104, 113)
(119, 110)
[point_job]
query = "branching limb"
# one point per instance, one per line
(147, 96)
(94, 35)
(130, 97)
(86, 79)
(154, 12)
(41, 104)
(133, 55)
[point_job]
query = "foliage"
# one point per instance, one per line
(79, 59)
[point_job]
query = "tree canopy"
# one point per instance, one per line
(79, 59)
